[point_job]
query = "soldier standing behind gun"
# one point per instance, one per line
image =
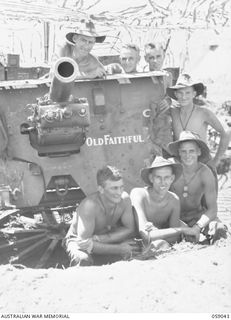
(154, 56)
(160, 118)
(78, 47)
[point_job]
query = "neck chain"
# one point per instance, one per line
(109, 218)
(181, 122)
(186, 183)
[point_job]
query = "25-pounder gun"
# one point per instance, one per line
(55, 147)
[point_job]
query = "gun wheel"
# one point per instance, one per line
(34, 242)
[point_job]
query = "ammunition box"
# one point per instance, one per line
(13, 73)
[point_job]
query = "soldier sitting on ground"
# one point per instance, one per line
(157, 209)
(103, 224)
(196, 181)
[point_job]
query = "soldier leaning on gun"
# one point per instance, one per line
(78, 46)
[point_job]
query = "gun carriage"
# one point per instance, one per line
(51, 150)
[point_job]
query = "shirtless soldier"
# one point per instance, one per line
(158, 209)
(78, 46)
(188, 116)
(103, 223)
(129, 60)
(154, 56)
(196, 181)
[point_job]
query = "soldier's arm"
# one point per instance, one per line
(83, 225)
(126, 230)
(73, 227)
(86, 220)
(86, 227)
(171, 234)
(137, 198)
(210, 212)
(212, 120)
(96, 69)
(174, 220)
(147, 230)
(209, 184)
(117, 242)
(175, 129)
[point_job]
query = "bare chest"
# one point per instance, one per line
(107, 220)
(189, 121)
(158, 212)
(190, 191)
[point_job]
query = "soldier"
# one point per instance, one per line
(188, 116)
(79, 45)
(129, 59)
(160, 118)
(158, 209)
(103, 224)
(154, 56)
(197, 181)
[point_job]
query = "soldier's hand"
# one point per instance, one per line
(129, 249)
(114, 68)
(192, 232)
(164, 104)
(103, 238)
(97, 73)
(100, 73)
(148, 226)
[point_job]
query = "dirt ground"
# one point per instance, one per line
(193, 279)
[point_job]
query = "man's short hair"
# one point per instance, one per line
(108, 173)
(151, 45)
(131, 46)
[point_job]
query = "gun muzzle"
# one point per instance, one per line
(65, 73)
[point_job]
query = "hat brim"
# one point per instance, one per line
(70, 35)
(199, 88)
(177, 171)
(205, 156)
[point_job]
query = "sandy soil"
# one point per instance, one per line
(194, 281)
(191, 279)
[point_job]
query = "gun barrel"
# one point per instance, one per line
(65, 73)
